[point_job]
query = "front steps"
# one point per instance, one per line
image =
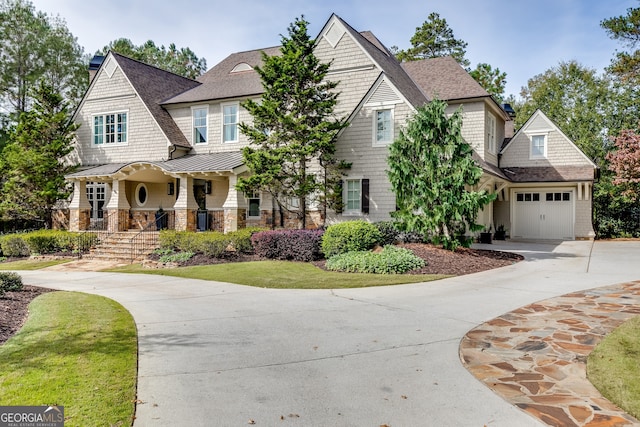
(118, 247)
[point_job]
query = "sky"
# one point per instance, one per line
(520, 37)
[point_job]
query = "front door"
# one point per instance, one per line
(96, 195)
(200, 194)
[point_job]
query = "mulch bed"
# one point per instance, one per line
(13, 306)
(13, 309)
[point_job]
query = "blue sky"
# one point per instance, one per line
(522, 38)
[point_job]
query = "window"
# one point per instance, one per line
(558, 197)
(383, 127)
(538, 146)
(141, 194)
(230, 123)
(352, 203)
(110, 128)
(254, 205)
(528, 197)
(491, 133)
(200, 125)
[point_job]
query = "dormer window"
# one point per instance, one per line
(538, 146)
(243, 66)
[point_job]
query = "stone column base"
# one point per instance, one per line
(235, 219)
(79, 219)
(118, 220)
(185, 219)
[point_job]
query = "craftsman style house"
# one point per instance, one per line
(152, 140)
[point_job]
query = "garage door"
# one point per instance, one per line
(543, 214)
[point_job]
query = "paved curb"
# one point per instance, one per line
(535, 357)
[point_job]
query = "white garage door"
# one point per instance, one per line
(543, 214)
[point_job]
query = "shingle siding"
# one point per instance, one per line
(560, 152)
(145, 140)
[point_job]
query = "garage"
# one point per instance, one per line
(546, 213)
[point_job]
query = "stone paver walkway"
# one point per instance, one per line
(535, 357)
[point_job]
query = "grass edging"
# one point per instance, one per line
(32, 264)
(281, 275)
(75, 350)
(612, 367)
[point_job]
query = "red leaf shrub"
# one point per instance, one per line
(296, 245)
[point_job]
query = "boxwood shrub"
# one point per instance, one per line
(391, 260)
(296, 245)
(350, 236)
(9, 282)
(14, 246)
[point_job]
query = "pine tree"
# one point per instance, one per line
(430, 169)
(32, 165)
(293, 125)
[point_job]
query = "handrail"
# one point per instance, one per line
(143, 239)
(97, 231)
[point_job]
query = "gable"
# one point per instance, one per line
(560, 150)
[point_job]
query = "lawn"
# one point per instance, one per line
(281, 275)
(75, 350)
(613, 367)
(31, 264)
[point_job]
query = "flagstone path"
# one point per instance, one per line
(535, 357)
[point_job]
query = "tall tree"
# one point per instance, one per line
(293, 124)
(491, 79)
(431, 171)
(32, 164)
(183, 61)
(435, 39)
(34, 46)
(625, 28)
(577, 99)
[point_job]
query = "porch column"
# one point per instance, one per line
(235, 210)
(79, 208)
(118, 207)
(185, 207)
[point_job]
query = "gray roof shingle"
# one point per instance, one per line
(550, 174)
(154, 86)
(444, 78)
(216, 162)
(220, 83)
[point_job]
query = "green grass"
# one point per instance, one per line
(281, 275)
(613, 367)
(31, 264)
(75, 350)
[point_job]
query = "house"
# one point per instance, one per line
(150, 139)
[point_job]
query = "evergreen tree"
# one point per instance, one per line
(626, 28)
(434, 39)
(293, 125)
(32, 165)
(183, 61)
(492, 80)
(430, 170)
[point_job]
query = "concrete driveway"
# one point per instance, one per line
(218, 354)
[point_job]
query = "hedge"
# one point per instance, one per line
(391, 260)
(9, 282)
(296, 245)
(350, 236)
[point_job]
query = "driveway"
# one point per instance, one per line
(215, 353)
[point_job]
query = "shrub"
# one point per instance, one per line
(9, 282)
(350, 236)
(296, 245)
(241, 239)
(213, 244)
(41, 242)
(14, 246)
(177, 257)
(388, 231)
(391, 260)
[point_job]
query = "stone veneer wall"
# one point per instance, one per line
(79, 219)
(185, 219)
(60, 219)
(216, 221)
(266, 220)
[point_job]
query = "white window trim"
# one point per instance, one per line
(104, 127)
(491, 133)
(254, 195)
(546, 145)
(228, 104)
(375, 111)
(193, 125)
(137, 193)
(345, 194)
